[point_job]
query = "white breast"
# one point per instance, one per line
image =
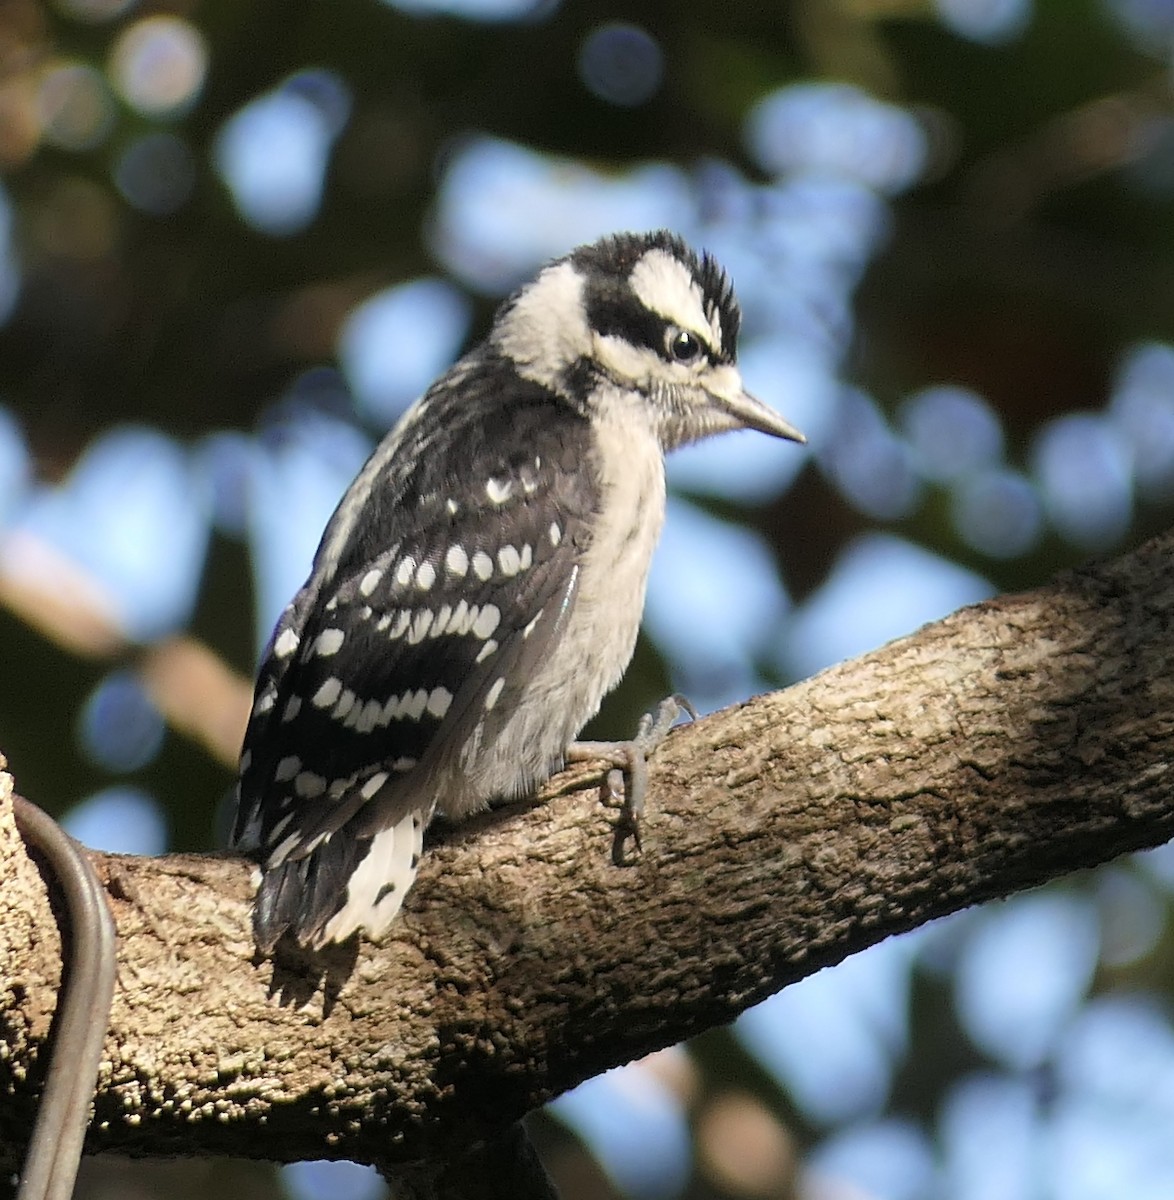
(595, 646)
(606, 618)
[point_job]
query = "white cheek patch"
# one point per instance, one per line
(666, 286)
(546, 329)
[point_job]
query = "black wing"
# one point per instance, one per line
(445, 568)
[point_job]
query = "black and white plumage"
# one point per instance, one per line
(480, 586)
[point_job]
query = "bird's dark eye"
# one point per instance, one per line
(684, 346)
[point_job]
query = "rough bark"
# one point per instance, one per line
(1009, 743)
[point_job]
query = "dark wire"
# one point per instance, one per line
(83, 1010)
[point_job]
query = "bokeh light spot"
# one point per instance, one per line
(1084, 470)
(981, 1112)
(304, 463)
(998, 513)
(477, 10)
(989, 21)
(870, 465)
(226, 460)
(1023, 972)
(156, 173)
(396, 342)
(1132, 915)
(837, 128)
(743, 1147)
(1142, 408)
(322, 1179)
(714, 604)
(75, 107)
(622, 64)
(635, 1128)
(119, 820)
(158, 64)
(120, 727)
(274, 152)
(133, 515)
(830, 1037)
(879, 588)
(951, 430)
(893, 1159)
(502, 210)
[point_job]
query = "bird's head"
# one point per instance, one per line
(639, 314)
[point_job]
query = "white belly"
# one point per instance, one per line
(590, 654)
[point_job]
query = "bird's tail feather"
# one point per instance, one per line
(345, 884)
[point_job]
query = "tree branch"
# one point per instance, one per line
(1011, 742)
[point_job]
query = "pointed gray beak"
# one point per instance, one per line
(751, 413)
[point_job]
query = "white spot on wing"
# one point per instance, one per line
(509, 560)
(403, 764)
(457, 561)
(420, 625)
(287, 769)
(401, 623)
(556, 534)
(292, 707)
(328, 693)
(373, 785)
(265, 702)
(286, 644)
(416, 705)
(405, 570)
(329, 642)
(308, 785)
(345, 703)
(489, 648)
(491, 696)
(438, 701)
(498, 490)
(425, 576)
(487, 620)
(482, 565)
(370, 581)
(527, 556)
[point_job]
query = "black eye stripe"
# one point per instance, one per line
(612, 310)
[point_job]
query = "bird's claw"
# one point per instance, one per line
(627, 781)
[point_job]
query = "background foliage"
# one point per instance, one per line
(237, 238)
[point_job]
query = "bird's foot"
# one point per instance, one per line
(627, 780)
